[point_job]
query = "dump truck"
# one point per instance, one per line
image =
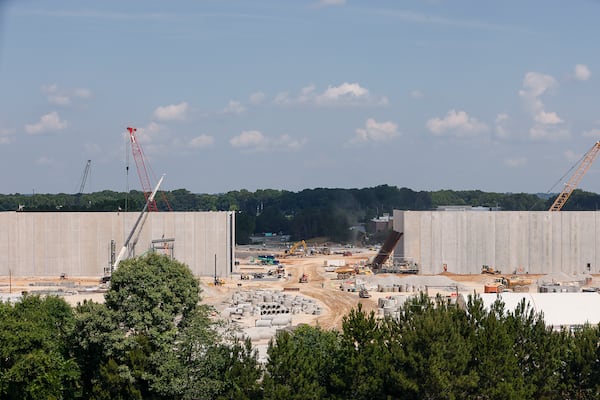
(303, 278)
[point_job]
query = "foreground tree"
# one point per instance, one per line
(152, 339)
(35, 359)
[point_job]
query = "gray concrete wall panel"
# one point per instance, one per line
(78, 244)
(512, 241)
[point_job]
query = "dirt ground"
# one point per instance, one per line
(322, 286)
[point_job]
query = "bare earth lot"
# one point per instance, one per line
(323, 288)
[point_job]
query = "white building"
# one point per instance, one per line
(537, 242)
(79, 243)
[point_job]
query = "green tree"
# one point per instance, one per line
(35, 357)
(302, 364)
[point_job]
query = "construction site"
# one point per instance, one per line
(548, 258)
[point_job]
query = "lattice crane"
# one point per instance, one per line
(140, 163)
(584, 165)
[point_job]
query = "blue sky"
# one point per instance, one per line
(499, 96)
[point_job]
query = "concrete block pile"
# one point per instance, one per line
(268, 305)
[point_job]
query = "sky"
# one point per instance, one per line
(499, 96)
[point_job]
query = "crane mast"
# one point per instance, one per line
(584, 166)
(140, 164)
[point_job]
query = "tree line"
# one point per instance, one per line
(153, 338)
(305, 214)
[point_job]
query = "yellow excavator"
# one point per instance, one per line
(294, 248)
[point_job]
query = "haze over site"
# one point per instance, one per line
(226, 95)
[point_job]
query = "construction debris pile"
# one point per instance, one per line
(268, 311)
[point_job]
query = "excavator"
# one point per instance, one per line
(295, 246)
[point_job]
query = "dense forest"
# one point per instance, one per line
(306, 214)
(153, 338)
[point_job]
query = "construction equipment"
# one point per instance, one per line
(295, 246)
(345, 272)
(363, 293)
(86, 172)
(386, 250)
(140, 163)
(135, 226)
(584, 165)
(486, 269)
(512, 283)
(219, 281)
(303, 278)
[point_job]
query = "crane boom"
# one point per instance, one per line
(86, 172)
(584, 166)
(137, 222)
(140, 164)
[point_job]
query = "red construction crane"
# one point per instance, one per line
(584, 164)
(140, 163)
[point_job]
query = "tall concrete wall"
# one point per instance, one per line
(79, 244)
(537, 242)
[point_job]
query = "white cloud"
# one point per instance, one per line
(151, 133)
(456, 123)
(248, 139)
(201, 141)
(515, 162)
(6, 135)
(172, 112)
(548, 118)
(257, 98)
(593, 133)
(307, 94)
(64, 97)
(255, 140)
(582, 72)
(283, 99)
(500, 128)
(376, 131)
(536, 84)
(546, 123)
(48, 123)
(234, 107)
(346, 94)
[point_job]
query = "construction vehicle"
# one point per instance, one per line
(584, 165)
(292, 250)
(363, 293)
(268, 260)
(345, 272)
(303, 278)
(517, 283)
(512, 283)
(486, 269)
(219, 281)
